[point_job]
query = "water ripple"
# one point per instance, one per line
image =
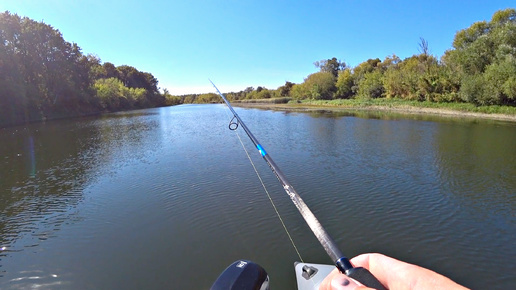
(147, 196)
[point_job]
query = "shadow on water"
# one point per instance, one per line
(45, 167)
(387, 115)
(474, 149)
(130, 114)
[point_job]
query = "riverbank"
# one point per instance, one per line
(395, 106)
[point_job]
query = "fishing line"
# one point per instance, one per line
(360, 274)
(233, 126)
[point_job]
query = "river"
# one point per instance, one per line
(166, 198)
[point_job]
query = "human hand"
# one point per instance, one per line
(392, 273)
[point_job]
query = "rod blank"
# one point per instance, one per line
(329, 245)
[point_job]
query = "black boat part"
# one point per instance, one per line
(242, 275)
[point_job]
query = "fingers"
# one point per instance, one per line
(395, 274)
(392, 273)
(338, 281)
(381, 266)
(387, 270)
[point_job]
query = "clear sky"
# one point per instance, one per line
(242, 43)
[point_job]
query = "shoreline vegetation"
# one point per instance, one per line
(475, 78)
(44, 77)
(499, 113)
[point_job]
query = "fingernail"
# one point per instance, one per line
(340, 281)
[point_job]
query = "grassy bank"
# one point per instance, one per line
(283, 100)
(395, 105)
(398, 103)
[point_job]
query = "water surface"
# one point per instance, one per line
(166, 197)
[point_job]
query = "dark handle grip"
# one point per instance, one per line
(365, 277)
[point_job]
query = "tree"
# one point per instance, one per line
(361, 70)
(467, 36)
(332, 66)
(344, 84)
(207, 98)
(133, 78)
(370, 85)
(284, 90)
(496, 86)
(111, 71)
(415, 78)
(483, 57)
(423, 46)
(320, 85)
(389, 62)
(115, 96)
(42, 76)
(13, 97)
(45, 76)
(503, 17)
(299, 92)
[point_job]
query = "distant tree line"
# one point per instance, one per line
(42, 77)
(479, 69)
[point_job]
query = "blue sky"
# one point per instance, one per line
(251, 43)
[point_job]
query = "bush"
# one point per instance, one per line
(371, 86)
(115, 96)
(320, 86)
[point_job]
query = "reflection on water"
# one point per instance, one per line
(478, 167)
(136, 199)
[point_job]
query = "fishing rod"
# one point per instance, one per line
(342, 263)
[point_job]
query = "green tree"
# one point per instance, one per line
(133, 78)
(110, 70)
(189, 99)
(207, 98)
(320, 85)
(299, 92)
(361, 70)
(370, 85)
(115, 96)
(43, 75)
(265, 94)
(483, 57)
(332, 66)
(284, 91)
(416, 78)
(345, 82)
(170, 100)
(496, 86)
(14, 100)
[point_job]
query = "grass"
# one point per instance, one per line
(284, 100)
(399, 103)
